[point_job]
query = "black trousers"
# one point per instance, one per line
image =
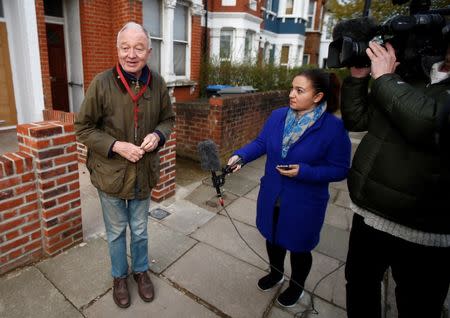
(300, 262)
(421, 274)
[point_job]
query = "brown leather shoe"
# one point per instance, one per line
(145, 286)
(120, 292)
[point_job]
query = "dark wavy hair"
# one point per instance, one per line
(327, 83)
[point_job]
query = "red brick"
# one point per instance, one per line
(10, 204)
(11, 235)
(28, 177)
(33, 246)
(14, 244)
(31, 227)
(25, 188)
(45, 131)
(28, 208)
(66, 159)
(56, 229)
(69, 197)
(48, 214)
(63, 140)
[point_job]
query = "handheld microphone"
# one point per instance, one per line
(209, 160)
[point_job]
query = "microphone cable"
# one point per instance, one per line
(299, 314)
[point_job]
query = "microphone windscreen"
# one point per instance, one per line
(359, 29)
(209, 158)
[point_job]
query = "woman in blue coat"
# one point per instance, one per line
(307, 148)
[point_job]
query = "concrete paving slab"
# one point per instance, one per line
(165, 245)
(186, 217)
(181, 192)
(333, 194)
(323, 265)
(251, 173)
(205, 197)
(339, 217)
(91, 211)
(82, 273)
(220, 233)
(259, 163)
(253, 195)
(236, 184)
(333, 242)
(221, 280)
(276, 312)
(27, 293)
(243, 210)
(343, 199)
(341, 185)
(324, 309)
(169, 302)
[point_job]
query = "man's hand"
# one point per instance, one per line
(150, 142)
(383, 59)
(127, 150)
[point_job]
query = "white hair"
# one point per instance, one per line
(135, 26)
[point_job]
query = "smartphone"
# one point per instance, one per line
(284, 167)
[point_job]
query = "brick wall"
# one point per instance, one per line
(166, 185)
(230, 122)
(40, 207)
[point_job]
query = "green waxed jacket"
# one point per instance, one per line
(107, 115)
(398, 172)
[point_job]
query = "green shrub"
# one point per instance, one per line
(263, 77)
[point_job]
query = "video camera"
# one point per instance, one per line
(423, 33)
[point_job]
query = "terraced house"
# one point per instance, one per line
(51, 49)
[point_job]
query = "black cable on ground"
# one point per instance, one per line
(300, 314)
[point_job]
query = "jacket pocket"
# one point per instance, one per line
(108, 174)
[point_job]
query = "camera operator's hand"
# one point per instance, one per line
(383, 59)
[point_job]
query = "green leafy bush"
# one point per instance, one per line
(263, 77)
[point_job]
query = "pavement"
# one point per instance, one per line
(199, 265)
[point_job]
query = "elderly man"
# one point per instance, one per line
(125, 117)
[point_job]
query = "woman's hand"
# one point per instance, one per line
(232, 163)
(290, 172)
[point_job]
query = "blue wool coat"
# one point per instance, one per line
(323, 153)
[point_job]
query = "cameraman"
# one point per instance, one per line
(399, 184)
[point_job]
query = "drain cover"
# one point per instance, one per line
(158, 213)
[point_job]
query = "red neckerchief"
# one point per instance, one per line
(134, 98)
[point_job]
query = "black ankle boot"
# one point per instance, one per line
(269, 281)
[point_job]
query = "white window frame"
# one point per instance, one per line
(288, 54)
(311, 16)
(248, 51)
(187, 61)
(232, 40)
(308, 59)
(158, 39)
(252, 4)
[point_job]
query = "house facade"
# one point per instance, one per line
(272, 31)
(50, 50)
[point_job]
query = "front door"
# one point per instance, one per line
(8, 115)
(57, 65)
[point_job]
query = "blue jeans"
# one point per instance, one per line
(117, 214)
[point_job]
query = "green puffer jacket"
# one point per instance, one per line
(398, 172)
(107, 115)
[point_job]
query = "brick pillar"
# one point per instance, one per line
(52, 144)
(166, 186)
(20, 234)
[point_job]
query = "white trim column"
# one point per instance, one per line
(238, 48)
(167, 57)
(23, 44)
(215, 43)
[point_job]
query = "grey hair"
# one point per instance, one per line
(136, 26)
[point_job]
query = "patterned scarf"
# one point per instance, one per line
(295, 126)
